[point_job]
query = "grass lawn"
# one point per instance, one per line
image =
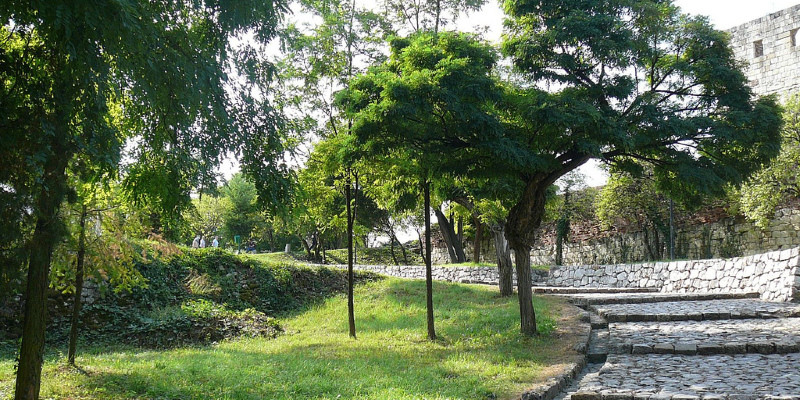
(479, 355)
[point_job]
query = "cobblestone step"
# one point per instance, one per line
(770, 336)
(680, 377)
(586, 290)
(704, 310)
(585, 300)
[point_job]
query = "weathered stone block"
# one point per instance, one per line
(686, 348)
(761, 347)
(586, 395)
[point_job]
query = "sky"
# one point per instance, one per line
(724, 14)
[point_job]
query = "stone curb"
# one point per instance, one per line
(591, 290)
(623, 395)
(756, 347)
(585, 302)
(550, 389)
(708, 316)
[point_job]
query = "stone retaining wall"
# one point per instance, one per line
(775, 275)
(486, 275)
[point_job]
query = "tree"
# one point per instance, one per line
(764, 191)
(427, 105)
(64, 67)
(428, 15)
(630, 81)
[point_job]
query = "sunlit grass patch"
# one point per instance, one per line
(479, 354)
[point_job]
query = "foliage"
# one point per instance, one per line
(480, 354)
(428, 15)
(765, 190)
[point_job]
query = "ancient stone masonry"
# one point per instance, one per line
(775, 275)
(771, 48)
(486, 275)
(728, 237)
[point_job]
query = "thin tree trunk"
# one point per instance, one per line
(351, 318)
(524, 290)
(391, 249)
(76, 303)
(476, 248)
(403, 249)
(504, 265)
(559, 247)
(45, 236)
(428, 269)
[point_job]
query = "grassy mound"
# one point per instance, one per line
(195, 297)
(479, 355)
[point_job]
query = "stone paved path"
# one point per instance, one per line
(705, 347)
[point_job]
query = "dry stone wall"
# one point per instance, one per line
(775, 275)
(485, 275)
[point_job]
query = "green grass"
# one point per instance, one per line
(479, 354)
(279, 257)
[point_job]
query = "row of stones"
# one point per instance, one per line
(691, 349)
(485, 275)
(585, 300)
(696, 310)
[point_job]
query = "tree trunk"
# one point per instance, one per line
(45, 236)
(523, 220)
(76, 302)
(504, 265)
(428, 269)
(391, 250)
(403, 250)
(306, 246)
(476, 247)
(524, 290)
(454, 246)
(351, 319)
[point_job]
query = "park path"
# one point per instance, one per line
(688, 346)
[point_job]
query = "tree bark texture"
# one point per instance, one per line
(524, 291)
(45, 236)
(76, 303)
(505, 267)
(454, 246)
(523, 220)
(428, 269)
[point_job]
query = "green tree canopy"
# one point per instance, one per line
(629, 81)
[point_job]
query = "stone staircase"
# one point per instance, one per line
(660, 346)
